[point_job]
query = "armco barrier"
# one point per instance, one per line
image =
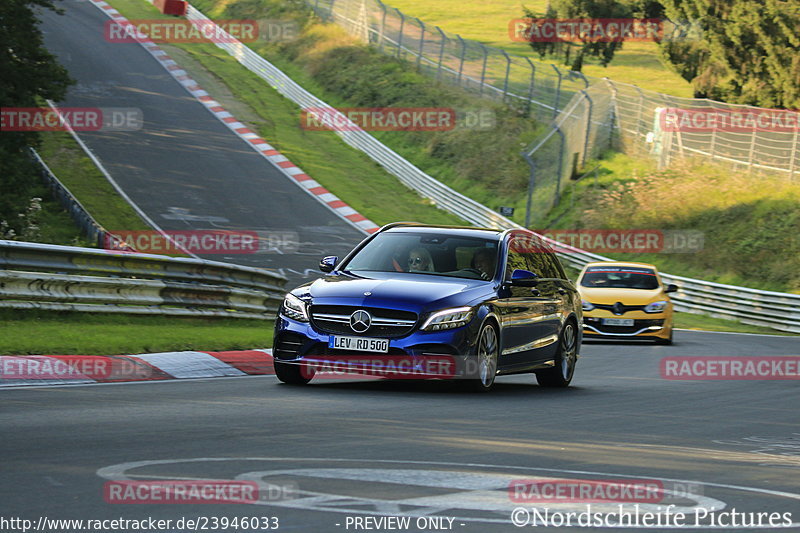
(83, 279)
(777, 310)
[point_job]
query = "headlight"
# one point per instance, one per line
(448, 318)
(656, 307)
(294, 308)
(586, 305)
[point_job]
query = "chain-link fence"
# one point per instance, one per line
(588, 115)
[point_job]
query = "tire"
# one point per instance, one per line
(563, 371)
(291, 374)
(487, 351)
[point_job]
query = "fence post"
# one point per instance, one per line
(421, 43)
(585, 81)
(483, 70)
(560, 165)
(531, 181)
(613, 115)
(316, 6)
(461, 60)
(752, 151)
(590, 107)
(400, 35)
(441, 52)
(530, 86)
(332, 19)
(639, 144)
(508, 71)
(793, 156)
(558, 91)
(383, 25)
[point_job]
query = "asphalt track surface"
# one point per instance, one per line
(341, 450)
(185, 169)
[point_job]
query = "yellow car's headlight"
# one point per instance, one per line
(656, 307)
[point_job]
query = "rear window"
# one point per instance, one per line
(616, 277)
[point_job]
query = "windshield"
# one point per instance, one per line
(428, 253)
(620, 278)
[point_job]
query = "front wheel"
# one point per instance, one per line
(487, 352)
(292, 374)
(561, 374)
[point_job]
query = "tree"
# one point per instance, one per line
(748, 53)
(29, 75)
(573, 54)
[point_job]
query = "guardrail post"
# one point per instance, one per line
(508, 71)
(421, 43)
(531, 85)
(793, 156)
(461, 60)
(383, 25)
(590, 107)
(558, 91)
(400, 34)
(483, 70)
(332, 18)
(441, 52)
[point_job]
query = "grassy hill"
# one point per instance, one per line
(487, 22)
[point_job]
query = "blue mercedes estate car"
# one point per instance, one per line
(476, 302)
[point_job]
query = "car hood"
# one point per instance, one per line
(411, 292)
(610, 296)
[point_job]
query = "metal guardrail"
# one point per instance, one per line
(776, 310)
(88, 225)
(44, 276)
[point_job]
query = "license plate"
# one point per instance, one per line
(617, 321)
(360, 344)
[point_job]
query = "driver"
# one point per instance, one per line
(484, 260)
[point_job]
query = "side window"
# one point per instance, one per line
(551, 268)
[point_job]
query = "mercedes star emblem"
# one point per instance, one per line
(360, 321)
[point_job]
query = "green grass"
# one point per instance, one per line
(79, 174)
(344, 171)
(487, 22)
(35, 332)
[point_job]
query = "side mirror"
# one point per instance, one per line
(671, 288)
(327, 264)
(523, 278)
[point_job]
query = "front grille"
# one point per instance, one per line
(386, 323)
(623, 308)
(637, 325)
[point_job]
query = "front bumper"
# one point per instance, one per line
(656, 325)
(422, 354)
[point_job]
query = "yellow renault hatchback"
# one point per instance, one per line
(625, 300)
